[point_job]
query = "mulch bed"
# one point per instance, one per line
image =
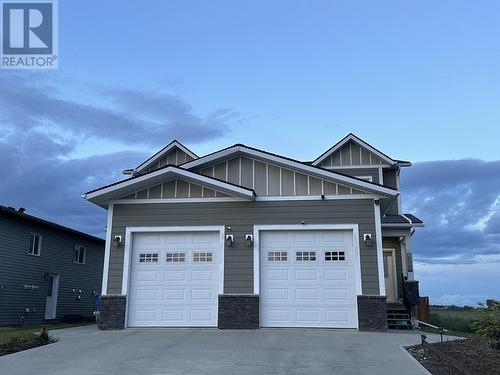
(472, 355)
(16, 345)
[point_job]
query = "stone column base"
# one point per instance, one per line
(238, 311)
(111, 312)
(372, 313)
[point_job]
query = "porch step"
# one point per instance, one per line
(398, 317)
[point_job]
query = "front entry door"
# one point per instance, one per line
(390, 275)
(51, 299)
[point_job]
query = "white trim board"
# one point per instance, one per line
(129, 231)
(380, 251)
(162, 152)
(107, 250)
(312, 170)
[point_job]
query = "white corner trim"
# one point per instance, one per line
(352, 137)
(380, 250)
(127, 256)
(163, 151)
(107, 250)
(313, 170)
(176, 171)
(355, 239)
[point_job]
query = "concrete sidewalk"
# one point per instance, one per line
(86, 351)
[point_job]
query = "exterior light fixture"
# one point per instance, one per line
(229, 239)
(249, 239)
(117, 241)
(368, 239)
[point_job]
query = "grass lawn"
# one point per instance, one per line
(27, 331)
(454, 320)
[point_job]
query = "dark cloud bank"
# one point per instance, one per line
(459, 200)
(40, 128)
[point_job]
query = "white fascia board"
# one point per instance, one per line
(177, 172)
(352, 137)
(162, 152)
(329, 175)
(402, 225)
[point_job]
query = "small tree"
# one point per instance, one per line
(488, 323)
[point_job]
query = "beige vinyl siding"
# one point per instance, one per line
(273, 180)
(241, 217)
(351, 154)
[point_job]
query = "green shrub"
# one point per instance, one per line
(488, 324)
(452, 322)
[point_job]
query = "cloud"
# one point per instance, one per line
(459, 200)
(42, 122)
(117, 114)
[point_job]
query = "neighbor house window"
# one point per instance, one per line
(276, 256)
(35, 246)
(175, 257)
(148, 258)
(79, 255)
(202, 256)
(334, 256)
(305, 256)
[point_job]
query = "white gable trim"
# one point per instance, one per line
(329, 175)
(352, 137)
(162, 152)
(175, 171)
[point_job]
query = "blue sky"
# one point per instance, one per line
(419, 80)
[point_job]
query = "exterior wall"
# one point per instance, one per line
(174, 157)
(272, 180)
(19, 269)
(351, 154)
(390, 178)
(176, 188)
(242, 216)
(372, 313)
(357, 172)
(393, 243)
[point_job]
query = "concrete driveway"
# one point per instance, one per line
(86, 350)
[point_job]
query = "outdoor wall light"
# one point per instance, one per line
(249, 239)
(117, 241)
(368, 239)
(229, 239)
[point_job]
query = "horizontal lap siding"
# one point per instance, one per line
(18, 268)
(241, 217)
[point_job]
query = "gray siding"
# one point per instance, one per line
(242, 216)
(18, 268)
(351, 154)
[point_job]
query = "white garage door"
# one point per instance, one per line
(175, 279)
(308, 279)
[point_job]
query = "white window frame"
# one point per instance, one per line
(32, 243)
(203, 256)
(79, 249)
(176, 257)
(153, 259)
(367, 178)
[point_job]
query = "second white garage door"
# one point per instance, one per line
(175, 279)
(308, 279)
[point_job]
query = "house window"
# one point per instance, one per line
(334, 256)
(35, 246)
(202, 257)
(367, 178)
(79, 255)
(277, 256)
(305, 256)
(175, 258)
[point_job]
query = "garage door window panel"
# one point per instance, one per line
(305, 256)
(277, 256)
(335, 256)
(175, 257)
(202, 256)
(148, 258)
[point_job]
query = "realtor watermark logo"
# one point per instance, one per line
(29, 34)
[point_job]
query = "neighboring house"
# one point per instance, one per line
(244, 238)
(47, 271)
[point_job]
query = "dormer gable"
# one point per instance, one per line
(175, 153)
